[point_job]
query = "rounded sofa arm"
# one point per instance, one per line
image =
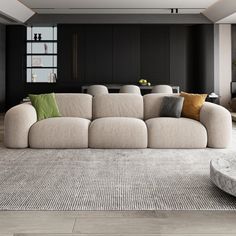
(218, 123)
(17, 123)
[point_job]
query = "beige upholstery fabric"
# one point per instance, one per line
(60, 132)
(130, 89)
(95, 90)
(218, 123)
(162, 89)
(118, 105)
(118, 126)
(17, 123)
(152, 104)
(75, 105)
(166, 132)
(118, 132)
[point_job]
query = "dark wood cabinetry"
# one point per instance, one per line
(98, 53)
(71, 54)
(15, 64)
(126, 53)
(180, 55)
(2, 67)
(155, 54)
(122, 54)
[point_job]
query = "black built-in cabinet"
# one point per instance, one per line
(126, 54)
(180, 55)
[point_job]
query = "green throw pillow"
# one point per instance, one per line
(45, 105)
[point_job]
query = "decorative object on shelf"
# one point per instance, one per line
(37, 62)
(144, 82)
(52, 77)
(55, 77)
(213, 97)
(46, 48)
(35, 37)
(34, 78)
(26, 99)
(39, 37)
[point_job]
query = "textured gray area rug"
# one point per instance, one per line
(110, 180)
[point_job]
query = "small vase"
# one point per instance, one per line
(46, 48)
(34, 78)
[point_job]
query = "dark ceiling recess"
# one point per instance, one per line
(174, 10)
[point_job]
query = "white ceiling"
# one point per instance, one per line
(218, 11)
(13, 9)
(231, 19)
(115, 6)
(221, 10)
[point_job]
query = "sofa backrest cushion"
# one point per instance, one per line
(75, 105)
(152, 104)
(118, 105)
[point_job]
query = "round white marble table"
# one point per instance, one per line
(223, 174)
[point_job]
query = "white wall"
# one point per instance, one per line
(223, 62)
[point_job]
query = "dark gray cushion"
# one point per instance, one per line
(171, 107)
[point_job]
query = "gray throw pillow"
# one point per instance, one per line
(171, 107)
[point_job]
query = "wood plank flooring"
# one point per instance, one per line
(116, 223)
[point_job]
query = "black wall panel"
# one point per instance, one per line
(180, 55)
(15, 64)
(2, 67)
(201, 59)
(98, 58)
(233, 27)
(71, 54)
(155, 54)
(179, 38)
(126, 53)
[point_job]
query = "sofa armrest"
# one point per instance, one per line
(218, 123)
(17, 123)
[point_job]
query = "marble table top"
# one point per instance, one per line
(223, 174)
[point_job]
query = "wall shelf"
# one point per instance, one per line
(41, 67)
(41, 55)
(41, 41)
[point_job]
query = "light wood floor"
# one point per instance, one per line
(122, 223)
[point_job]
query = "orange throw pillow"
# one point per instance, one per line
(192, 105)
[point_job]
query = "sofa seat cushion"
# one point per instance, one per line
(60, 132)
(164, 132)
(118, 132)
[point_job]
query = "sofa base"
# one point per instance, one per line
(118, 132)
(166, 132)
(60, 132)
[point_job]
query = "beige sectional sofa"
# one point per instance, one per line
(115, 121)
